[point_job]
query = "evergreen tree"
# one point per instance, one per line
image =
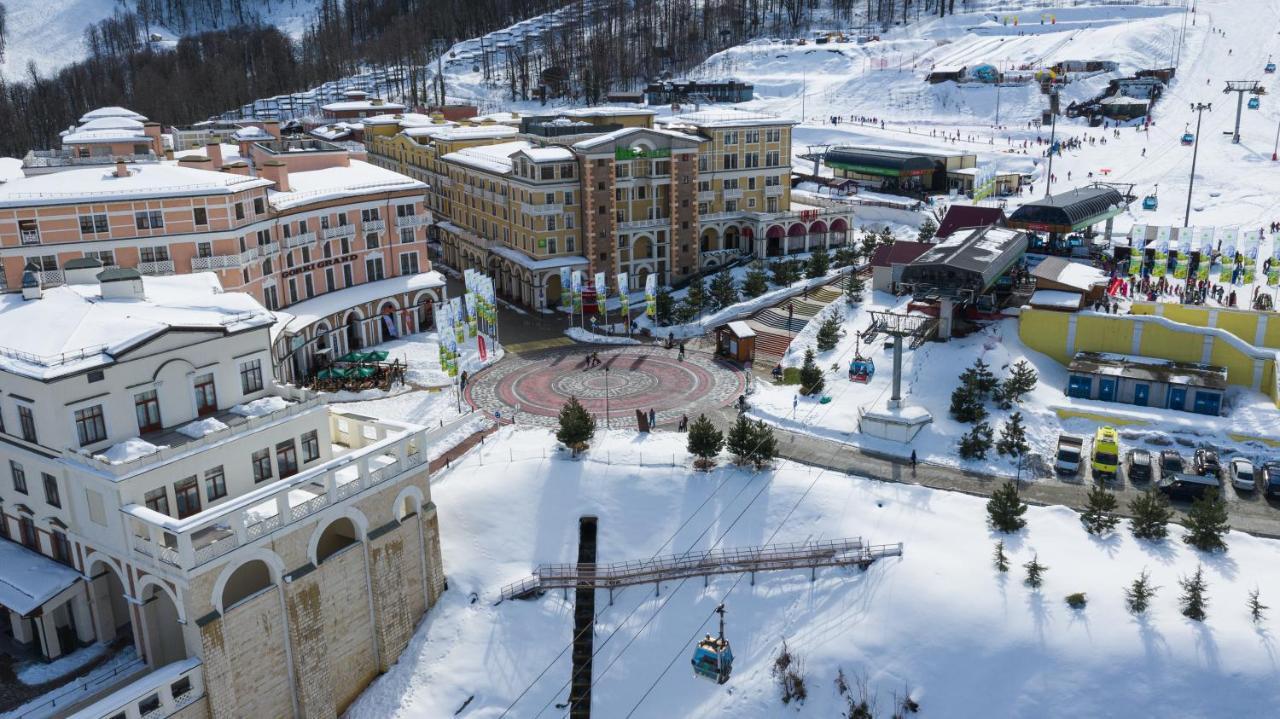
(1013, 437)
(696, 296)
(829, 332)
(870, 240)
(1099, 516)
(705, 441)
(1137, 596)
(845, 256)
(1005, 509)
(724, 291)
(781, 272)
(1151, 515)
(1257, 610)
(756, 282)
(1207, 522)
(811, 381)
(577, 427)
(982, 378)
(1193, 600)
(886, 236)
(819, 263)
(1035, 572)
(854, 286)
(965, 404)
(928, 229)
(663, 306)
(751, 442)
(1021, 380)
(1001, 561)
(975, 443)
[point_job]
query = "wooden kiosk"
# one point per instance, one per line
(737, 341)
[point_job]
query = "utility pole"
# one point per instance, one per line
(1240, 87)
(1053, 133)
(439, 45)
(1198, 108)
(1275, 151)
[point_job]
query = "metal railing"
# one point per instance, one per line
(31, 237)
(76, 690)
(157, 267)
(373, 225)
(339, 231)
(541, 210)
(410, 220)
(299, 240)
(271, 248)
(772, 557)
(166, 691)
(52, 277)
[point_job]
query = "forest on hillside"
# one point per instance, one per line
(617, 44)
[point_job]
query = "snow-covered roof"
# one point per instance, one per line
(452, 132)
(252, 132)
(303, 314)
(100, 183)
(1062, 271)
(329, 183)
(725, 117)
(1060, 299)
(605, 111)
(1123, 100)
(490, 158)
(336, 130)
(609, 137)
(549, 154)
(230, 153)
(113, 111)
(741, 329)
(349, 105)
(30, 579)
(80, 330)
(549, 263)
(111, 123)
(111, 135)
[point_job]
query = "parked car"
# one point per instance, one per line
(1139, 465)
(1070, 449)
(1240, 472)
(1206, 463)
(1171, 463)
(1271, 478)
(1186, 486)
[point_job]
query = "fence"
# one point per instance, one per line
(75, 691)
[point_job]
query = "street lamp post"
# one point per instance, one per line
(606, 397)
(1198, 108)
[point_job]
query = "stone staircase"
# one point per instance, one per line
(776, 326)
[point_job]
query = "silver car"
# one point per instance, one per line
(1240, 472)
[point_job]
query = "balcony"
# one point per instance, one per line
(300, 240)
(644, 224)
(30, 237)
(706, 195)
(269, 249)
(222, 262)
(158, 267)
(339, 231)
(52, 277)
(542, 210)
(380, 451)
(373, 225)
(733, 194)
(773, 191)
(411, 220)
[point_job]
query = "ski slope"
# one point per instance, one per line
(968, 641)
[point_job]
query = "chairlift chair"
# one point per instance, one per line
(712, 658)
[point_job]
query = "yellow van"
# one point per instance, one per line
(1106, 453)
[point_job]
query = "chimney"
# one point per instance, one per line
(152, 130)
(272, 127)
(214, 151)
(120, 283)
(277, 172)
(122, 170)
(239, 167)
(196, 162)
(31, 289)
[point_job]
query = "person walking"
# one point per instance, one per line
(913, 460)
(653, 419)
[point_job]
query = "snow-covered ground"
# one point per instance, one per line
(420, 353)
(968, 641)
(931, 372)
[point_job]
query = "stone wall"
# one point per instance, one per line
(244, 660)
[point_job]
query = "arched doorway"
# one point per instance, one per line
(354, 341)
(730, 241)
(818, 232)
(426, 313)
(710, 240)
(553, 289)
(642, 248)
(165, 644)
(773, 241)
(388, 328)
(111, 614)
(245, 582)
(337, 536)
(795, 238)
(840, 229)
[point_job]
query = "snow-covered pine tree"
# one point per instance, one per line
(1005, 509)
(1193, 601)
(1207, 522)
(1099, 516)
(756, 282)
(723, 290)
(829, 332)
(1013, 437)
(705, 441)
(819, 263)
(975, 443)
(1035, 572)
(577, 426)
(811, 381)
(1137, 596)
(1150, 515)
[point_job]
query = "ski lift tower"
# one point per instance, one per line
(1240, 87)
(897, 421)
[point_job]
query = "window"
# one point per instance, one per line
(90, 425)
(293, 290)
(269, 293)
(206, 395)
(187, 494)
(204, 249)
(149, 220)
(28, 423)
(157, 500)
(261, 465)
(406, 235)
(309, 284)
(568, 243)
(287, 458)
(310, 446)
(200, 215)
(731, 138)
(251, 376)
(215, 484)
(371, 240)
(328, 279)
(405, 210)
(159, 253)
(369, 215)
(19, 477)
(568, 197)
(730, 162)
(51, 489)
(106, 257)
(547, 173)
(46, 263)
(551, 245)
(259, 206)
(61, 547)
(30, 232)
(240, 211)
(347, 275)
(373, 269)
(409, 263)
(93, 224)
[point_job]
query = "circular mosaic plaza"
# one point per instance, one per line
(639, 378)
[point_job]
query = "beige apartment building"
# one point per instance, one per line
(286, 220)
(609, 190)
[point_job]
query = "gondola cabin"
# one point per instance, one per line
(1270, 68)
(1188, 138)
(1150, 202)
(713, 658)
(862, 369)
(1254, 103)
